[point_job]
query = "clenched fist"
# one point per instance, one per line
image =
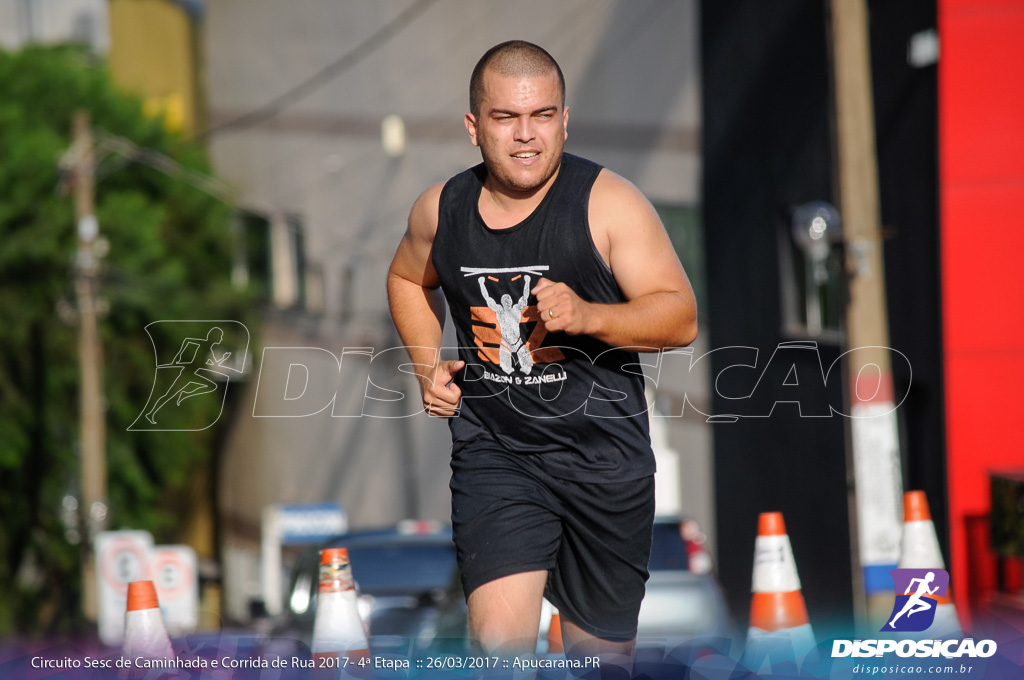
(560, 308)
(441, 395)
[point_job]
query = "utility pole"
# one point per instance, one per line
(92, 425)
(876, 491)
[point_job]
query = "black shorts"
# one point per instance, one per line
(510, 516)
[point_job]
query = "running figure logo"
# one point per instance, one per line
(508, 323)
(921, 589)
(509, 333)
(199, 367)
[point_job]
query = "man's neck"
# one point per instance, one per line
(501, 207)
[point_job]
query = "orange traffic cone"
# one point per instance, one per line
(555, 634)
(779, 627)
(337, 630)
(920, 550)
(144, 632)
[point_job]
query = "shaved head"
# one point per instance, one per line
(517, 59)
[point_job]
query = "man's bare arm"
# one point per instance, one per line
(660, 311)
(417, 306)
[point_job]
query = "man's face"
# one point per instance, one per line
(521, 129)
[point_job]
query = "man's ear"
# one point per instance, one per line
(470, 122)
(565, 122)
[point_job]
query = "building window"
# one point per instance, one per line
(811, 272)
(297, 252)
(252, 270)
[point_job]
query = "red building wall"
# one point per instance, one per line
(981, 160)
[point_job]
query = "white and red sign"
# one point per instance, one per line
(126, 556)
(121, 557)
(173, 570)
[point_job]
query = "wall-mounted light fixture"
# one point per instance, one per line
(811, 269)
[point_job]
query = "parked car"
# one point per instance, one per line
(407, 581)
(683, 599)
(684, 602)
(410, 594)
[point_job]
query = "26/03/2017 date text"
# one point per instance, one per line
(462, 662)
(518, 663)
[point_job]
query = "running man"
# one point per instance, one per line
(552, 492)
(196, 383)
(916, 603)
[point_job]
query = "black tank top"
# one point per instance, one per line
(574, 399)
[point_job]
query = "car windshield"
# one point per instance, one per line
(667, 549)
(403, 621)
(393, 569)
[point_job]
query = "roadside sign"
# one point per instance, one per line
(121, 557)
(315, 523)
(293, 525)
(174, 571)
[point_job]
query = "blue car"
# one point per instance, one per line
(411, 600)
(407, 580)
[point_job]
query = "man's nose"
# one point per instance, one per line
(524, 129)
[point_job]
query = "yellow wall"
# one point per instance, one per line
(152, 53)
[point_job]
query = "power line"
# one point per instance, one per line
(133, 153)
(326, 74)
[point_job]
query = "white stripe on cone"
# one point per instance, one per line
(774, 566)
(146, 636)
(338, 628)
(920, 546)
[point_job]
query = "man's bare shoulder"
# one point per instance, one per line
(615, 201)
(412, 259)
(423, 216)
(617, 210)
(610, 188)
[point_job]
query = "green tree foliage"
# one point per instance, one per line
(169, 258)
